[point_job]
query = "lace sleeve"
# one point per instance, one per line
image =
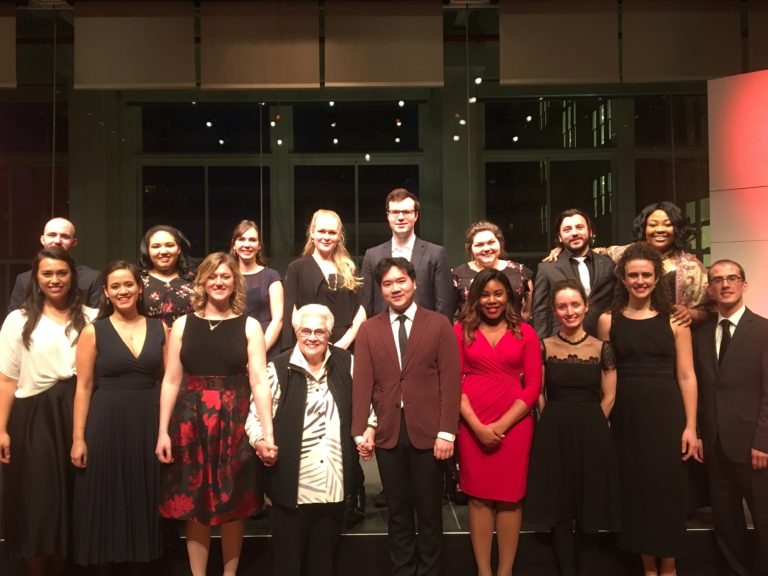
(607, 357)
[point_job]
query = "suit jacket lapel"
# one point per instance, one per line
(740, 335)
(709, 353)
(418, 251)
(418, 328)
(388, 337)
(563, 263)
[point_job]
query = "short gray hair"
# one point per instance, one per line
(317, 310)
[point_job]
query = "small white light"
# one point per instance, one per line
(333, 124)
(528, 118)
(472, 99)
(335, 140)
(478, 80)
(273, 123)
(331, 103)
(398, 122)
(194, 103)
(456, 138)
(221, 142)
(401, 103)
(515, 138)
(462, 122)
(367, 157)
(279, 141)
(397, 140)
(209, 124)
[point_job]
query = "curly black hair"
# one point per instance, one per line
(682, 224)
(661, 299)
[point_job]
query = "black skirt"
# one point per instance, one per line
(38, 482)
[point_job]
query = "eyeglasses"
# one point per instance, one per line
(319, 333)
(732, 279)
(406, 213)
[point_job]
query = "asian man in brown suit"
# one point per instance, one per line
(407, 367)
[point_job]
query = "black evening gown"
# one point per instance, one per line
(116, 517)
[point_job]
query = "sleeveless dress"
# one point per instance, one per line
(117, 495)
(212, 479)
(493, 379)
(647, 423)
(257, 287)
(573, 473)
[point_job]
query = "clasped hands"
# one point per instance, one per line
(442, 450)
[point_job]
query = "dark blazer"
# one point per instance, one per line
(549, 273)
(733, 397)
(434, 284)
(429, 383)
(88, 280)
(283, 477)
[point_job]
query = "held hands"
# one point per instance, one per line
(489, 437)
(443, 449)
(266, 451)
(366, 447)
(691, 446)
(163, 449)
(79, 454)
(5, 448)
(759, 459)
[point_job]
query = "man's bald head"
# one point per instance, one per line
(59, 232)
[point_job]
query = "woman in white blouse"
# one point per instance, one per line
(37, 385)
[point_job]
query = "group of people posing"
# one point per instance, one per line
(572, 400)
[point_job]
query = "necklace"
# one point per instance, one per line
(212, 326)
(573, 342)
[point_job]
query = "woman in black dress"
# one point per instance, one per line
(117, 489)
(263, 288)
(216, 360)
(484, 243)
(654, 419)
(166, 272)
(573, 474)
(324, 274)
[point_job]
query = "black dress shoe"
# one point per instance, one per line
(380, 500)
(355, 508)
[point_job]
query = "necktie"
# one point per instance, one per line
(583, 272)
(402, 337)
(725, 339)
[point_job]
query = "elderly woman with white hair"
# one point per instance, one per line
(311, 387)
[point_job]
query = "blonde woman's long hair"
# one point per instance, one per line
(340, 256)
(205, 270)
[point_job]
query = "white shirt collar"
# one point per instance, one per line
(410, 312)
(298, 360)
(733, 318)
(407, 245)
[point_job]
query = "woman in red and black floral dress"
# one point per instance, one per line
(216, 360)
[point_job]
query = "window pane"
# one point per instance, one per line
(28, 127)
(351, 127)
(587, 185)
(516, 200)
(671, 120)
(175, 195)
(329, 187)
(234, 195)
(187, 127)
(375, 182)
(549, 123)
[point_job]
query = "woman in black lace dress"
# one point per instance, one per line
(573, 475)
(166, 272)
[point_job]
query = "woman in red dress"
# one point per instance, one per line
(501, 366)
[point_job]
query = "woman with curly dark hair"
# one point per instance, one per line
(167, 273)
(654, 418)
(37, 386)
(501, 366)
(216, 361)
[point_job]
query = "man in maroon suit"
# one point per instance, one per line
(407, 367)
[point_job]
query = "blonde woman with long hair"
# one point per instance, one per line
(325, 274)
